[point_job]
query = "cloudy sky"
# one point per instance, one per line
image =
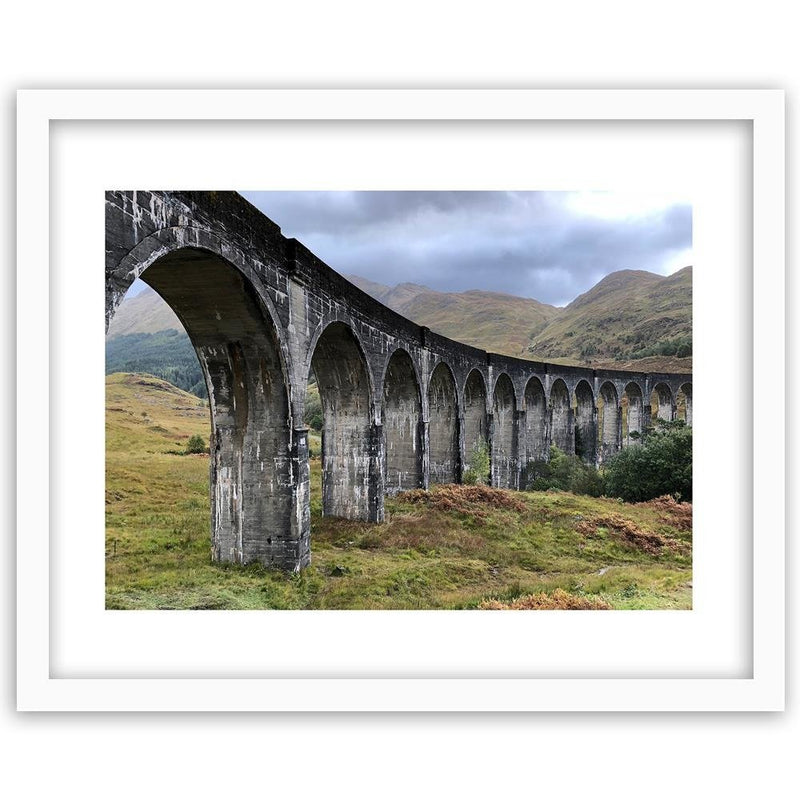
(551, 246)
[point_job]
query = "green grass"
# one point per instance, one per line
(453, 547)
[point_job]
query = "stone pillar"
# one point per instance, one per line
(463, 459)
(570, 451)
(493, 478)
(299, 555)
(647, 414)
(425, 445)
(376, 488)
(520, 454)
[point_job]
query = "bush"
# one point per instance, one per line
(564, 472)
(196, 444)
(478, 471)
(313, 411)
(660, 465)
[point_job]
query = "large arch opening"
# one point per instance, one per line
(236, 343)
(561, 429)
(633, 417)
(504, 435)
(585, 422)
(344, 391)
(476, 422)
(443, 428)
(609, 422)
(535, 421)
(402, 414)
(661, 403)
(684, 403)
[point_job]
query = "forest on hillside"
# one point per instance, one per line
(167, 354)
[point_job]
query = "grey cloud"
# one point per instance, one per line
(525, 243)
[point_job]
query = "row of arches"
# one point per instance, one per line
(410, 431)
(417, 452)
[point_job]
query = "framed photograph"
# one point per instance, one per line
(176, 157)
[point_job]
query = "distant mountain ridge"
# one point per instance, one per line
(628, 315)
(145, 313)
(494, 321)
(631, 319)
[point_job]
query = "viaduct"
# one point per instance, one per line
(402, 406)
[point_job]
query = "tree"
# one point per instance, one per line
(661, 464)
(196, 444)
(568, 473)
(478, 471)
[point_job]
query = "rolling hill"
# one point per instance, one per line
(628, 316)
(145, 313)
(630, 320)
(501, 323)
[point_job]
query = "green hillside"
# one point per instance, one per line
(500, 323)
(145, 313)
(452, 547)
(627, 316)
(168, 354)
(630, 320)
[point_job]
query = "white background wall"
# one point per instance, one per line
(351, 44)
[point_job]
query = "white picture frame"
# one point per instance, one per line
(56, 618)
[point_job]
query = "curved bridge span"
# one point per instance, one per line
(402, 406)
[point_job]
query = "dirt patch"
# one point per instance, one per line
(558, 600)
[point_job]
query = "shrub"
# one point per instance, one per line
(660, 465)
(196, 444)
(478, 471)
(312, 415)
(565, 472)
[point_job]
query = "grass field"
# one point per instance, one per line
(452, 547)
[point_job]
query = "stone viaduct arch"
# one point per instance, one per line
(443, 430)
(403, 407)
(476, 416)
(504, 435)
(402, 423)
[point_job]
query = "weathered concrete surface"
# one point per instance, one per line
(503, 454)
(403, 407)
(610, 422)
(445, 459)
(402, 424)
(535, 422)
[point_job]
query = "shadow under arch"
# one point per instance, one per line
(476, 420)
(662, 404)
(443, 433)
(535, 421)
(402, 423)
(236, 341)
(610, 421)
(684, 403)
(633, 418)
(585, 422)
(561, 416)
(504, 434)
(348, 448)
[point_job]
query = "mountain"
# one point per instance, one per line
(630, 320)
(145, 313)
(501, 323)
(628, 316)
(168, 354)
